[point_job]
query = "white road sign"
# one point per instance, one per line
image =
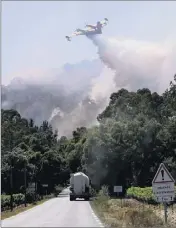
(163, 185)
(31, 185)
(45, 185)
(117, 188)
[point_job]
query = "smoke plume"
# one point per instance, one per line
(126, 63)
(138, 64)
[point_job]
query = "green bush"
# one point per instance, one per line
(103, 194)
(18, 199)
(48, 196)
(142, 194)
(31, 197)
(93, 192)
(5, 202)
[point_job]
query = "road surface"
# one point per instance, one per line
(57, 212)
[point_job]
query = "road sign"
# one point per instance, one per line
(163, 185)
(165, 199)
(31, 186)
(45, 185)
(163, 175)
(117, 188)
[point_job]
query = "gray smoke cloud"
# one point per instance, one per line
(85, 113)
(127, 63)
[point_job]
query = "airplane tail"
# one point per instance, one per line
(68, 38)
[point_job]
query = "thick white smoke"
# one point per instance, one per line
(130, 64)
(137, 63)
(88, 109)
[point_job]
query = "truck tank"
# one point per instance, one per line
(80, 186)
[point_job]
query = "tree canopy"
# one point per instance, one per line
(136, 132)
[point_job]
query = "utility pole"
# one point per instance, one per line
(165, 212)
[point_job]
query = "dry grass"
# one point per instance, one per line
(159, 211)
(126, 213)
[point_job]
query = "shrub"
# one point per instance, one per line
(93, 192)
(30, 196)
(142, 194)
(5, 202)
(103, 194)
(18, 199)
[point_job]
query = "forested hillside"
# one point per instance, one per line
(136, 132)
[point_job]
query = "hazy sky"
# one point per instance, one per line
(33, 32)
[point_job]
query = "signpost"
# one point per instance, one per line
(118, 189)
(31, 187)
(163, 187)
(45, 186)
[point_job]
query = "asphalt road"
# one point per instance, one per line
(57, 212)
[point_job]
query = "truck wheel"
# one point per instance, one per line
(72, 198)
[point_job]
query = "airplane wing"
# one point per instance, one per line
(91, 26)
(77, 32)
(103, 23)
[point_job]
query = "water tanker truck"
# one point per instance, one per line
(79, 186)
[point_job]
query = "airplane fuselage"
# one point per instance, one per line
(94, 32)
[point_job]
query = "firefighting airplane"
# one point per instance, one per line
(89, 30)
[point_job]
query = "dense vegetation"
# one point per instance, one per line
(5, 201)
(136, 132)
(142, 194)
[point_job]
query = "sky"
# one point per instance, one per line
(33, 32)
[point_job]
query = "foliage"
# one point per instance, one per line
(142, 194)
(18, 199)
(136, 132)
(26, 146)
